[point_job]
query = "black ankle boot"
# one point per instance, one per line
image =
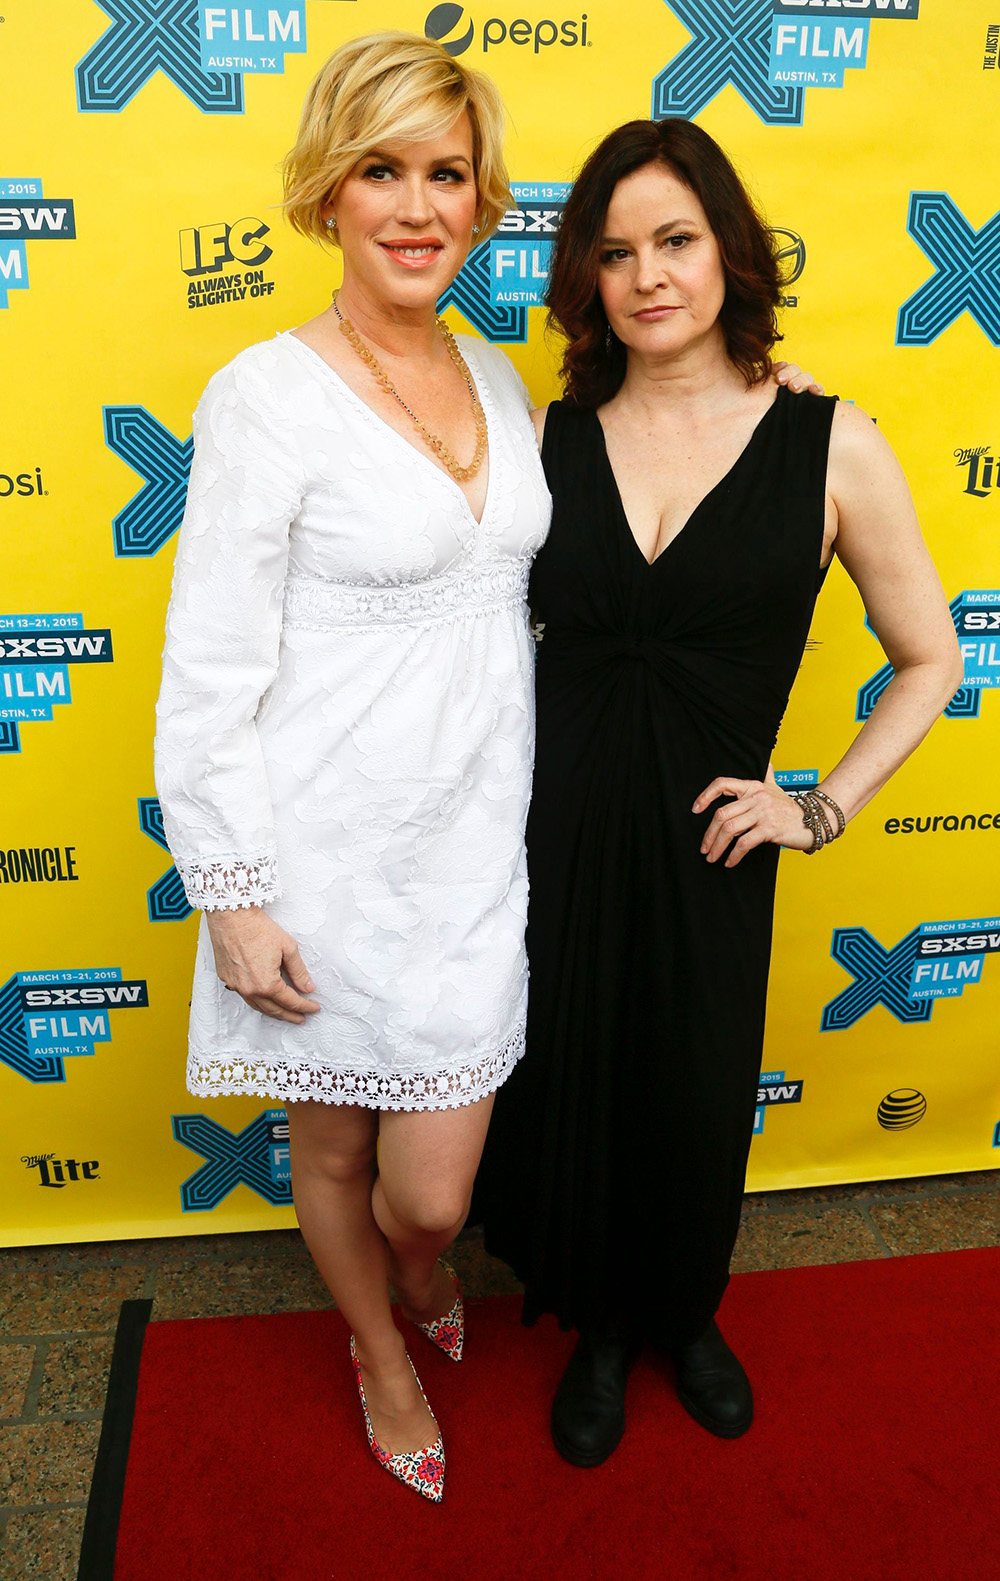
(588, 1412)
(712, 1385)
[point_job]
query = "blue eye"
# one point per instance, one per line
(377, 172)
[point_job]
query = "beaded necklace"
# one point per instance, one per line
(459, 473)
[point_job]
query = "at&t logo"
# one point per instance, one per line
(24, 217)
(47, 1017)
(456, 31)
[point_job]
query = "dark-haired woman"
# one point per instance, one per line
(695, 508)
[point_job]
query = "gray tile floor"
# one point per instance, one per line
(59, 1306)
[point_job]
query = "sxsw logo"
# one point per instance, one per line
(258, 1157)
(774, 1088)
(503, 277)
(35, 654)
(47, 1017)
(26, 217)
(967, 277)
(166, 898)
(977, 621)
(152, 516)
(937, 960)
(769, 50)
(203, 49)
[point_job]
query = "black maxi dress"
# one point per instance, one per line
(615, 1162)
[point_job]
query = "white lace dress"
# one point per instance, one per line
(345, 732)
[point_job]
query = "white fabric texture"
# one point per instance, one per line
(345, 732)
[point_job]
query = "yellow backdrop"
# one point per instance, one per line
(141, 247)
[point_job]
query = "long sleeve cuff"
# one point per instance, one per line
(229, 883)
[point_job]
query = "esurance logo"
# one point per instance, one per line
(503, 277)
(774, 1088)
(208, 253)
(25, 216)
(203, 49)
(455, 30)
(258, 1156)
(937, 960)
(769, 50)
(35, 654)
(976, 615)
(48, 1017)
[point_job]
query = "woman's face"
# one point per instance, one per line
(660, 272)
(405, 215)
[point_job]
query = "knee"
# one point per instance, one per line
(435, 1213)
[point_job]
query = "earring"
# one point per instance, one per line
(607, 338)
(331, 223)
(475, 230)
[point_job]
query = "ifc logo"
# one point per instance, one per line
(447, 19)
(901, 1108)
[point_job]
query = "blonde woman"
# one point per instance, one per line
(345, 722)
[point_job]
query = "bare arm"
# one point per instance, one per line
(879, 542)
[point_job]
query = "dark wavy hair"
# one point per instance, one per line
(593, 366)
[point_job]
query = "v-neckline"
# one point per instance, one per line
(696, 509)
(375, 417)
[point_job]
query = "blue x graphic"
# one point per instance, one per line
(14, 1050)
(146, 36)
(731, 43)
(166, 898)
(470, 293)
(231, 1161)
(152, 517)
(968, 271)
(881, 977)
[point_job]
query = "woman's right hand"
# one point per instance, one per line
(261, 962)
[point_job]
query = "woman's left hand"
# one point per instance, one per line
(762, 814)
(798, 382)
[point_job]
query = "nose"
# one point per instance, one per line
(414, 205)
(651, 272)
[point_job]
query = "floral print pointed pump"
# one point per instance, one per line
(448, 1332)
(423, 1469)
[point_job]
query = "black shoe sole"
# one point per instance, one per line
(710, 1423)
(578, 1457)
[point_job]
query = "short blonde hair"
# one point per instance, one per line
(391, 87)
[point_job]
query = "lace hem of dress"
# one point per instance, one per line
(290, 1080)
(229, 883)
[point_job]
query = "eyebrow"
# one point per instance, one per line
(393, 159)
(671, 225)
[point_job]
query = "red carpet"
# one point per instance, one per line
(874, 1456)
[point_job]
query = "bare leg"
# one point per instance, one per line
(333, 1169)
(427, 1164)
